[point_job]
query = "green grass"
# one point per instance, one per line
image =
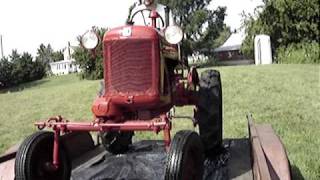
(286, 96)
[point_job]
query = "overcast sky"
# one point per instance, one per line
(25, 24)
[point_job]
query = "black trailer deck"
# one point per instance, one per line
(147, 159)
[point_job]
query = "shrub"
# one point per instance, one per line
(299, 54)
(91, 68)
(6, 75)
(20, 69)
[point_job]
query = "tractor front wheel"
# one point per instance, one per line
(185, 158)
(34, 157)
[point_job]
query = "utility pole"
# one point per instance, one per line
(1, 45)
(69, 52)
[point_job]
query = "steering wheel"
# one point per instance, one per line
(144, 20)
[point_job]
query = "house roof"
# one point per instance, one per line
(232, 43)
(61, 62)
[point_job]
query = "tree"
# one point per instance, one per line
(92, 67)
(223, 36)
(46, 55)
(6, 75)
(23, 67)
(57, 56)
(285, 21)
(38, 71)
(19, 68)
(15, 56)
(201, 25)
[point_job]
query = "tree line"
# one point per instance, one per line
(20, 68)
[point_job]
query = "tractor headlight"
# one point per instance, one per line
(90, 40)
(173, 34)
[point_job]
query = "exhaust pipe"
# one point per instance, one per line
(167, 13)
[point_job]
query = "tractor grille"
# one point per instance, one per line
(130, 65)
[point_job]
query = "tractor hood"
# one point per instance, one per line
(131, 32)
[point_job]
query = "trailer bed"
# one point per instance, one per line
(146, 160)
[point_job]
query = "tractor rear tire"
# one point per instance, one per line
(209, 112)
(185, 159)
(34, 155)
(116, 142)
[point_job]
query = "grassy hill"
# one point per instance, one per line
(286, 96)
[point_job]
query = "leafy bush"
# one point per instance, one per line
(299, 54)
(46, 55)
(92, 67)
(20, 69)
(6, 75)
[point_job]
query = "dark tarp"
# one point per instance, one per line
(146, 161)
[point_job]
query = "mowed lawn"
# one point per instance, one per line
(285, 96)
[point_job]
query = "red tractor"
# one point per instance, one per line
(144, 78)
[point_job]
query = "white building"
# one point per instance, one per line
(262, 49)
(65, 66)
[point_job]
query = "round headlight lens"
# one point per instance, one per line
(90, 40)
(173, 34)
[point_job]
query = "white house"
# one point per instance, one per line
(65, 66)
